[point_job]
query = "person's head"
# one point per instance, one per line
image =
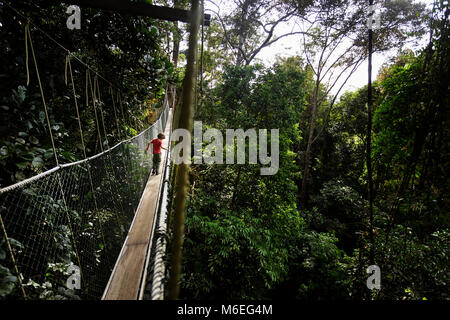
(161, 136)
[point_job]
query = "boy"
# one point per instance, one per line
(157, 145)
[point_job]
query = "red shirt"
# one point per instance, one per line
(157, 143)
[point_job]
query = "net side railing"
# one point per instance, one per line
(62, 230)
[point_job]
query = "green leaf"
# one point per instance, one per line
(22, 165)
(37, 162)
(15, 243)
(33, 140)
(19, 175)
(42, 116)
(29, 192)
(4, 151)
(48, 154)
(68, 156)
(10, 279)
(21, 93)
(7, 281)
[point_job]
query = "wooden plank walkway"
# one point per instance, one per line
(126, 277)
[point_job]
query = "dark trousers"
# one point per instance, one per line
(156, 162)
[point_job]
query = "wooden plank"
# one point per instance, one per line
(126, 277)
(140, 9)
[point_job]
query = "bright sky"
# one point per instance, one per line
(290, 46)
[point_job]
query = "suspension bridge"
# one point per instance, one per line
(103, 216)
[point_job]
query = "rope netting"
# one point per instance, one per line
(75, 214)
(61, 231)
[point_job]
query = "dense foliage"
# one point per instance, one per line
(250, 236)
(48, 232)
(126, 50)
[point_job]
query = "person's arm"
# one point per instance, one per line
(148, 146)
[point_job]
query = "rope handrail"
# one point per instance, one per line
(70, 164)
(77, 216)
(96, 73)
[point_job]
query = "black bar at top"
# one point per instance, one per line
(139, 8)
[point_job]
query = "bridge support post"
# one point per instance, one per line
(181, 180)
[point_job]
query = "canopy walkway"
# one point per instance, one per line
(86, 207)
(96, 228)
(129, 274)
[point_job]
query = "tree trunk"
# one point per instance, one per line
(310, 140)
(243, 30)
(176, 50)
(236, 184)
(175, 54)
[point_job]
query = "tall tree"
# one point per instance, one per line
(334, 45)
(251, 25)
